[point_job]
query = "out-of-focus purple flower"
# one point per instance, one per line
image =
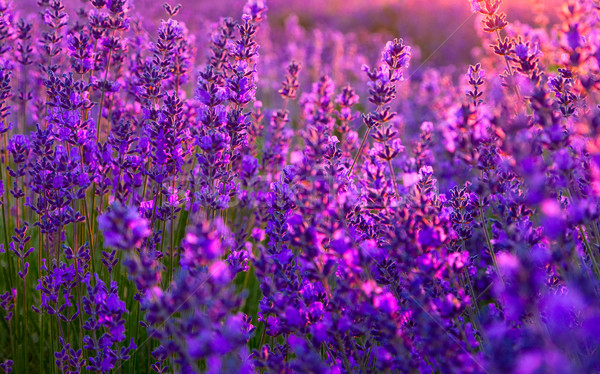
(123, 227)
(204, 243)
(6, 366)
(256, 10)
(7, 303)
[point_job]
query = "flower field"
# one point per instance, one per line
(251, 186)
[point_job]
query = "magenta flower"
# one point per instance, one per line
(123, 227)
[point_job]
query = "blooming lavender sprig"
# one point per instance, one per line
(7, 301)
(346, 100)
(106, 312)
(494, 21)
(5, 94)
(67, 359)
(55, 18)
(278, 135)
(5, 26)
(395, 57)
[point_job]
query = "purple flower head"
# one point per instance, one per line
(475, 5)
(80, 51)
(553, 219)
(396, 54)
(7, 303)
(123, 227)
(6, 366)
(204, 243)
(291, 84)
(487, 7)
(256, 10)
(118, 7)
(347, 97)
(19, 146)
(172, 11)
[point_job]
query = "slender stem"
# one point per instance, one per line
(103, 94)
(143, 197)
(6, 211)
(159, 192)
(366, 358)
(596, 234)
(148, 355)
(393, 176)
(473, 295)
(25, 360)
(87, 111)
(489, 244)
(172, 232)
(87, 218)
(162, 246)
(177, 81)
(362, 144)
(25, 96)
(589, 250)
(41, 340)
(585, 241)
(262, 336)
(509, 69)
(5, 226)
(342, 349)
(474, 310)
(17, 206)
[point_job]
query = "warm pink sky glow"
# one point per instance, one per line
(426, 24)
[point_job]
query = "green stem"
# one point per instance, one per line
(344, 356)
(584, 239)
(362, 144)
(489, 244)
(393, 176)
(87, 219)
(509, 69)
(103, 94)
(25, 336)
(172, 233)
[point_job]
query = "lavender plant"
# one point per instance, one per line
(255, 198)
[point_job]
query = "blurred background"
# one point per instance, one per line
(446, 27)
(337, 37)
(443, 32)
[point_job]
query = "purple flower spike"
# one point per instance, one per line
(123, 227)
